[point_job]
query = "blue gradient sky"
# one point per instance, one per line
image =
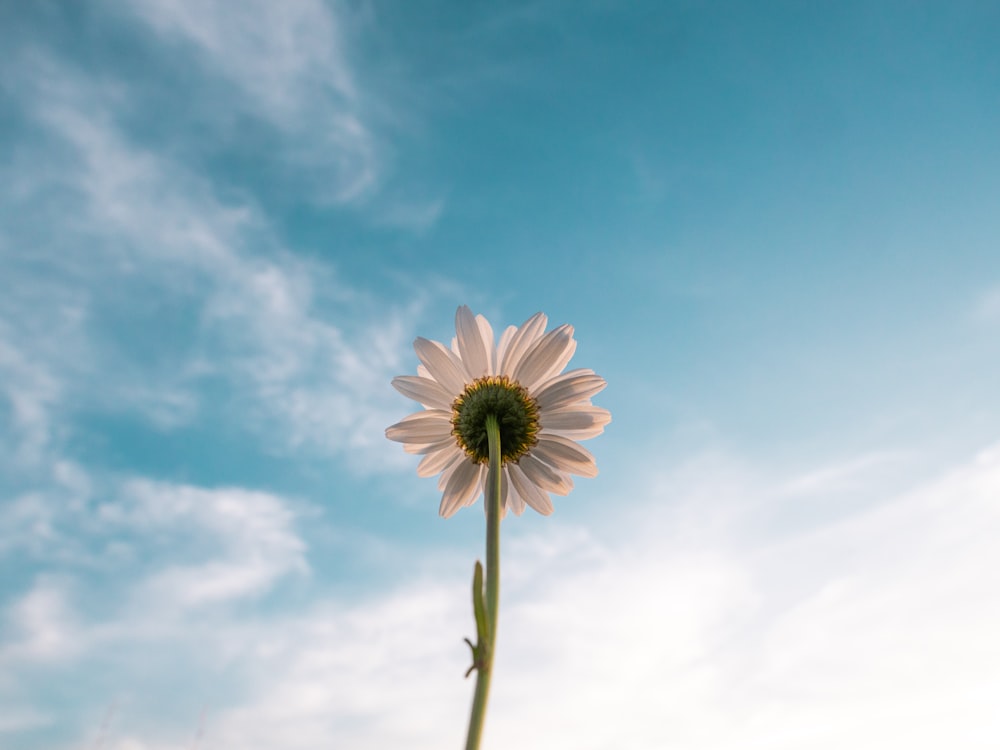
(775, 228)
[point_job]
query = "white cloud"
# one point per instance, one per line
(30, 391)
(26, 522)
(40, 626)
(137, 282)
(842, 476)
(876, 626)
(358, 676)
(289, 61)
(988, 306)
(694, 629)
(29, 383)
(151, 569)
(243, 541)
(416, 216)
(19, 719)
(307, 356)
(173, 547)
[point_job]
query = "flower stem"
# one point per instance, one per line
(487, 641)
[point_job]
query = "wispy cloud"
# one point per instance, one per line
(30, 390)
(171, 547)
(287, 64)
(41, 626)
(293, 71)
(153, 244)
(138, 566)
(843, 475)
(251, 542)
(136, 280)
(133, 286)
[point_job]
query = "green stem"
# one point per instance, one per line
(487, 645)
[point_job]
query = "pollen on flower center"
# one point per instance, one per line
(516, 412)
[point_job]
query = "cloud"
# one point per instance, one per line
(29, 389)
(416, 216)
(161, 548)
(41, 626)
(842, 476)
(143, 284)
(250, 541)
(289, 64)
(694, 629)
(143, 577)
(873, 626)
(138, 287)
(18, 719)
(158, 255)
(988, 306)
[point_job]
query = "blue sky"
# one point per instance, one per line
(774, 228)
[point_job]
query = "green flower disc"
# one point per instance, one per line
(516, 412)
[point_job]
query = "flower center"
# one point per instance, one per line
(516, 412)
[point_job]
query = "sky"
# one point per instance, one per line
(774, 227)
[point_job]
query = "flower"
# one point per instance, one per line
(541, 411)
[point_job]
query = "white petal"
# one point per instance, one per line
(505, 340)
(565, 455)
(513, 500)
(568, 375)
(443, 366)
(418, 448)
(429, 426)
(575, 419)
(529, 492)
(447, 472)
(569, 388)
(548, 356)
(480, 486)
(582, 434)
(462, 484)
(428, 392)
(522, 340)
(504, 491)
(504, 486)
(438, 461)
(486, 331)
(544, 476)
(470, 343)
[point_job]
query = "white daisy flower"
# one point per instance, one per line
(541, 411)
